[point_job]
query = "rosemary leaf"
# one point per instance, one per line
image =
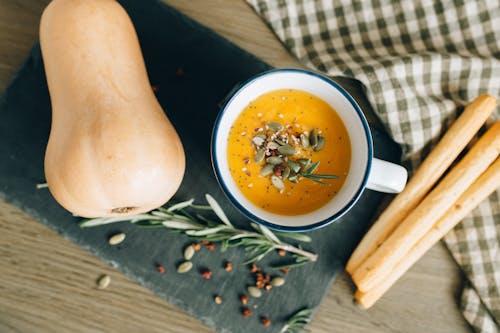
(325, 176)
(182, 225)
(108, 220)
(295, 236)
(311, 169)
(180, 205)
(205, 232)
(269, 234)
(217, 209)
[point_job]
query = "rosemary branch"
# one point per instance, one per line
(257, 243)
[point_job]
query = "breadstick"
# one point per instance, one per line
(422, 218)
(432, 168)
(488, 182)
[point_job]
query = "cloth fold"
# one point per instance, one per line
(421, 62)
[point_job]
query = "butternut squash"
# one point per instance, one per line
(111, 150)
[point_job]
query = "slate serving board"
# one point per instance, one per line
(211, 66)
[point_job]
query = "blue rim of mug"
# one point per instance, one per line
(310, 227)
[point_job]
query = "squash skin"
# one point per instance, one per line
(111, 150)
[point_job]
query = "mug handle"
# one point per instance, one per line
(387, 177)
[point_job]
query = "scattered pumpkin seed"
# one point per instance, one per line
(304, 141)
(274, 126)
(274, 160)
(285, 173)
(313, 138)
(267, 170)
(320, 144)
(259, 155)
(277, 281)
(254, 291)
(116, 238)
(287, 150)
(103, 281)
(189, 252)
(277, 182)
(185, 267)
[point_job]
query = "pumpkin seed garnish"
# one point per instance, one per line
(286, 150)
(272, 145)
(280, 142)
(304, 141)
(267, 170)
(274, 126)
(295, 167)
(320, 144)
(277, 182)
(259, 155)
(286, 173)
(304, 162)
(274, 160)
(313, 138)
(259, 140)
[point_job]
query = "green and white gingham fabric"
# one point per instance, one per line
(421, 62)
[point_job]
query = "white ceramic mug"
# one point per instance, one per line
(365, 170)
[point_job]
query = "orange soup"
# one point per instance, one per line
(289, 152)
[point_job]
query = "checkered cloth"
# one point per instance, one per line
(421, 62)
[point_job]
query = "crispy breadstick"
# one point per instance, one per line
(422, 218)
(432, 168)
(488, 182)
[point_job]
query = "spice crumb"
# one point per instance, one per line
(284, 270)
(229, 266)
(250, 185)
(160, 268)
(281, 252)
(196, 246)
(265, 321)
(218, 299)
(246, 312)
(206, 274)
(244, 299)
(254, 268)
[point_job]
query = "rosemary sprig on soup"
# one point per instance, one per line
(289, 152)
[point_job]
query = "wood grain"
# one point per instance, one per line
(47, 284)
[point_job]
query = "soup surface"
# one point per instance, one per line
(289, 152)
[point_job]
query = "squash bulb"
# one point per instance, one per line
(111, 150)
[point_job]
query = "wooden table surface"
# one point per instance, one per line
(47, 284)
